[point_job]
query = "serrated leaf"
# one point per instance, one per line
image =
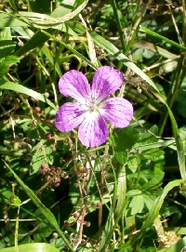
(43, 231)
(155, 180)
(137, 204)
(154, 211)
(133, 163)
(154, 154)
(125, 138)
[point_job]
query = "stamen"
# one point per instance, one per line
(91, 103)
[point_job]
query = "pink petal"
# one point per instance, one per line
(93, 131)
(106, 81)
(118, 111)
(75, 84)
(69, 116)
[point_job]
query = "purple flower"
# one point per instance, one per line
(93, 107)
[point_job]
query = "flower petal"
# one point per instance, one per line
(75, 84)
(106, 81)
(93, 131)
(69, 116)
(118, 111)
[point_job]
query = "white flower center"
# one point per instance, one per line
(91, 104)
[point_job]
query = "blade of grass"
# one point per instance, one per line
(8, 85)
(118, 23)
(47, 214)
(156, 35)
(70, 48)
(153, 212)
(179, 143)
(112, 50)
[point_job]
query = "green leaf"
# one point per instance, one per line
(41, 156)
(137, 204)
(180, 102)
(154, 154)
(14, 201)
(24, 90)
(154, 211)
(146, 137)
(133, 163)
(37, 40)
(153, 182)
(6, 62)
(13, 4)
(179, 143)
(112, 50)
(123, 140)
(44, 230)
(6, 48)
(47, 214)
(10, 21)
(121, 193)
(39, 6)
(32, 247)
(156, 35)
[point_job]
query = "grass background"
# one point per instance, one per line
(126, 195)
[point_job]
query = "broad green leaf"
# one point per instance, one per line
(32, 247)
(44, 230)
(123, 140)
(154, 154)
(153, 182)
(134, 162)
(24, 90)
(64, 8)
(149, 200)
(147, 137)
(39, 6)
(153, 213)
(136, 204)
